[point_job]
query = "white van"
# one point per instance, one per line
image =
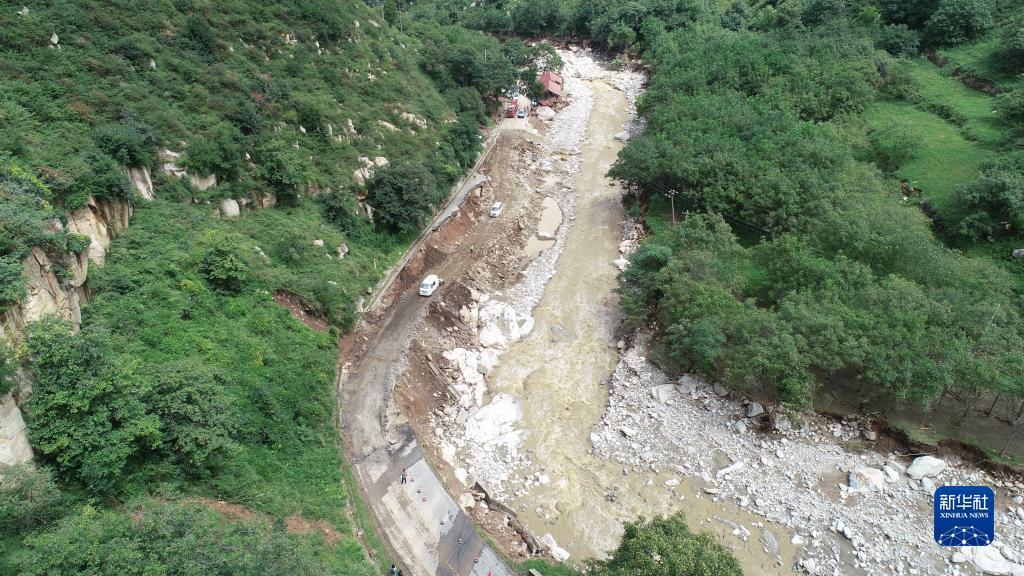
(496, 209)
(429, 285)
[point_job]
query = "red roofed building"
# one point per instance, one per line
(552, 84)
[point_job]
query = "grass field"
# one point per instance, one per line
(943, 160)
(972, 111)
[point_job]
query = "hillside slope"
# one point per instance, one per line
(171, 290)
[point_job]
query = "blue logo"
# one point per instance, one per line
(965, 516)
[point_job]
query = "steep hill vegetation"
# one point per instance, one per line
(190, 383)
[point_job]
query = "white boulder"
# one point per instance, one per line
(864, 479)
(229, 208)
(663, 393)
(925, 466)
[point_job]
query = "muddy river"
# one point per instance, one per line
(558, 372)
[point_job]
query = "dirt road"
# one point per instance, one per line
(425, 528)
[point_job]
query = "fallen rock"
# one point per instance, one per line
(720, 390)
(989, 560)
(686, 385)
(891, 475)
(627, 431)
(734, 467)
(1018, 253)
(663, 393)
(925, 466)
(740, 426)
(866, 479)
(546, 113)
(754, 409)
(557, 552)
(870, 435)
(623, 136)
(229, 208)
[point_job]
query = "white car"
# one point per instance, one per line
(429, 285)
(496, 209)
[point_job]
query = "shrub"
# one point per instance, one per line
(154, 537)
(342, 209)
(958, 21)
(1010, 106)
(894, 145)
(402, 196)
(993, 204)
(899, 40)
(29, 498)
(217, 152)
(126, 144)
(667, 547)
(78, 243)
(224, 267)
(12, 281)
(1011, 49)
(102, 178)
(282, 169)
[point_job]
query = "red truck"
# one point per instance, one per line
(513, 105)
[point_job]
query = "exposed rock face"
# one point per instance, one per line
(203, 182)
(50, 295)
(169, 160)
(14, 448)
(141, 182)
(367, 168)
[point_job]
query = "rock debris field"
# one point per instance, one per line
(849, 513)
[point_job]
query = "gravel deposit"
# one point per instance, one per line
(852, 512)
(501, 319)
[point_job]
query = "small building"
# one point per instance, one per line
(552, 84)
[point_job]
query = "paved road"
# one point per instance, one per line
(425, 528)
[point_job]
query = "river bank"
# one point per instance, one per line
(534, 402)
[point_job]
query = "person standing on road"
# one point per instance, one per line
(394, 570)
(404, 477)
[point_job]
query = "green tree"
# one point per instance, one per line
(87, 415)
(12, 281)
(993, 204)
(197, 415)
(282, 169)
(342, 209)
(224, 265)
(125, 143)
(216, 152)
(667, 547)
(29, 498)
(958, 21)
(402, 196)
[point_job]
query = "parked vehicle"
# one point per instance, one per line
(496, 209)
(429, 285)
(513, 107)
(521, 113)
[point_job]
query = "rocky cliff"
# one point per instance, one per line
(57, 287)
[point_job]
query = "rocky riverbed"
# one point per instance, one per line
(850, 508)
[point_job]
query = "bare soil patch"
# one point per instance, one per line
(301, 310)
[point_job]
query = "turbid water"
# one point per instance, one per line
(550, 220)
(559, 371)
